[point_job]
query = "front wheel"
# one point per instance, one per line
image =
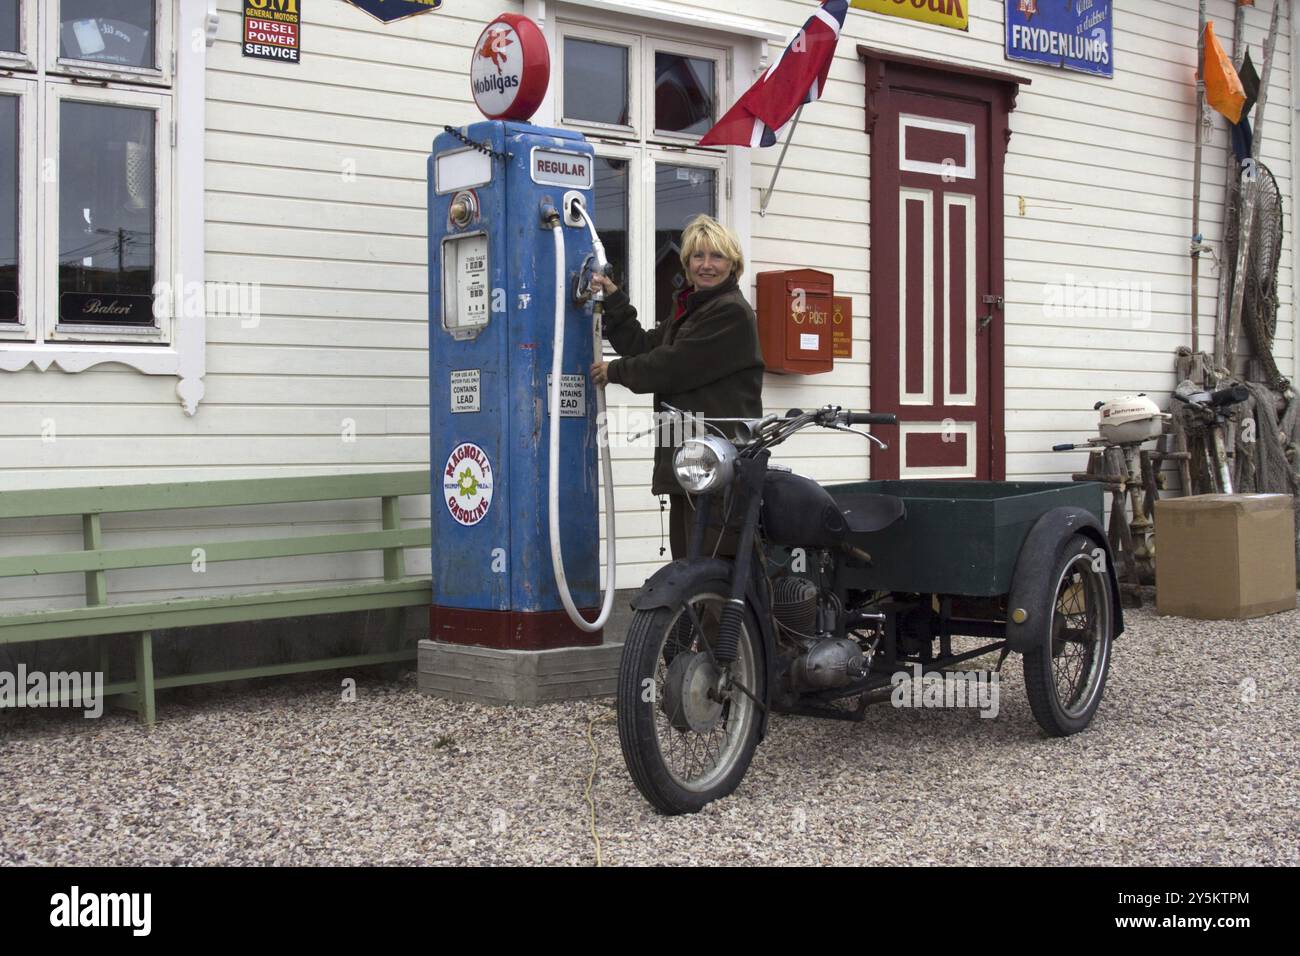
(1066, 675)
(688, 725)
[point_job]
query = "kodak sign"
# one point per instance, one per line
(946, 13)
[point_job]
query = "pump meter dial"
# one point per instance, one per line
(465, 292)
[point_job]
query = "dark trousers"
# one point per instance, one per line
(681, 526)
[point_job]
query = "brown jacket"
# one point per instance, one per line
(708, 362)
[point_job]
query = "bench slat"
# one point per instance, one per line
(217, 609)
(116, 499)
(112, 559)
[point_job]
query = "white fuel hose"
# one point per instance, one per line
(607, 472)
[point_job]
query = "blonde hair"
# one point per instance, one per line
(705, 232)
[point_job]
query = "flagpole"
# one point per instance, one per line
(767, 195)
(1249, 193)
(1196, 181)
(1231, 194)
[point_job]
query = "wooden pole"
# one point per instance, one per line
(1249, 193)
(1230, 184)
(1196, 181)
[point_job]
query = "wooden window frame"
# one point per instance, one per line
(24, 90)
(193, 28)
(164, 52)
(55, 331)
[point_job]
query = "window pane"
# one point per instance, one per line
(8, 209)
(120, 32)
(684, 94)
(595, 82)
(612, 216)
(106, 214)
(9, 25)
(681, 194)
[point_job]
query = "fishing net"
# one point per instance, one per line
(1259, 315)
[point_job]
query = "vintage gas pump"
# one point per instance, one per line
(513, 413)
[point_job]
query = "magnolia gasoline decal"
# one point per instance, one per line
(467, 483)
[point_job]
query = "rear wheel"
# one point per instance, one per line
(1066, 675)
(688, 726)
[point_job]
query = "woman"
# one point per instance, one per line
(704, 359)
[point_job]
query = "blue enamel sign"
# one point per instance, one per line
(390, 10)
(1074, 34)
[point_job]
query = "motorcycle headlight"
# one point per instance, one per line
(705, 464)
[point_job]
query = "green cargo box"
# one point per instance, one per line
(959, 537)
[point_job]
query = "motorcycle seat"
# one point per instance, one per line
(865, 513)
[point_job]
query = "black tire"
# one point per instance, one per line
(660, 752)
(1066, 675)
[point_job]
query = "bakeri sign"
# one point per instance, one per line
(390, 10)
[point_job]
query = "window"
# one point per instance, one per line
(111, 240)
(101, 193)
(9, 209)
(129, 40)
(644, 101)
(101, 185)
(9, 26)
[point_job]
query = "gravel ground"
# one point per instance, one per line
(1187, 762)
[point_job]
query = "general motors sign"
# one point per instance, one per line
(1074, 34)
(390, 10)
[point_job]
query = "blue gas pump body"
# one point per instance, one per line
(491, 330)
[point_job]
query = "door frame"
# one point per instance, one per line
(888, 73)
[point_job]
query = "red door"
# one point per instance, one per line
(936, 275)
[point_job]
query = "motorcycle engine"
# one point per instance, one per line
(821, 660)
(794, 605)
(829, 663)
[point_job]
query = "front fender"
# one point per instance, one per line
(1031, 586)
(675, 581)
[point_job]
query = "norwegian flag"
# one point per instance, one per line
(796, 77)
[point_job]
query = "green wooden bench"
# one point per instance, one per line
(100, 618)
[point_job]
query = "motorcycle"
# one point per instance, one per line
(719, 643)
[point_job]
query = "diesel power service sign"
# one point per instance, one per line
(273, 29)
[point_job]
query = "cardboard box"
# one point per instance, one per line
(1225, 556)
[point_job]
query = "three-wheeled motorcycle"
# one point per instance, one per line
(832, 591)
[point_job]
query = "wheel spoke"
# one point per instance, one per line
(1076, 634)
(696, 758)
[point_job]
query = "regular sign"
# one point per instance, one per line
(1076, 34)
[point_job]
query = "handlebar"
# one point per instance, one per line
(870, 418)
(1224, 397)
(1232, 395)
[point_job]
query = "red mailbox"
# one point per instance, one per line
(795, 307)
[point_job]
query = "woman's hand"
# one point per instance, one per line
(600, 374)
(602, 283)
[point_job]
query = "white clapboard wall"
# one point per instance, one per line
(316, 190)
